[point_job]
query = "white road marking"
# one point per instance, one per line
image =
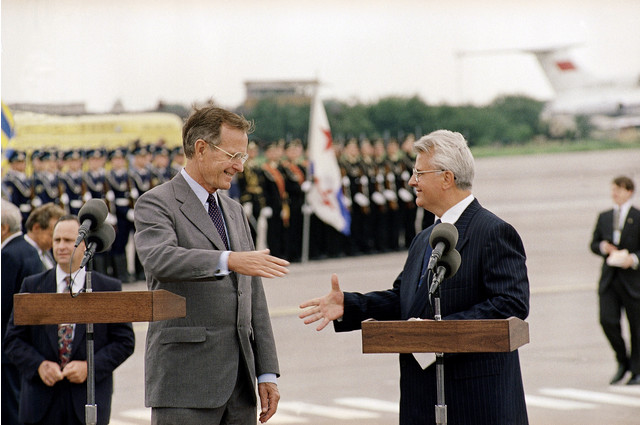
(555, 403)
(368, 403)
(591, 396)
(299, 407)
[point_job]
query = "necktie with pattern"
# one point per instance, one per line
(65, 337)
(217, 218)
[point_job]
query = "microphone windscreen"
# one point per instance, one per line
(451, 261)
(446, 233)
(103, 237)
(94, 210)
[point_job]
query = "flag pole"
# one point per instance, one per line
(307, 209)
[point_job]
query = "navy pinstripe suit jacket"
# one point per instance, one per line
(492, 283)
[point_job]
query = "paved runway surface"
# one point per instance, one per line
(553, 201)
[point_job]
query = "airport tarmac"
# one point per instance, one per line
(553, 202)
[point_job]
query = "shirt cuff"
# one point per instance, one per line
(267, 377)
(222, 268)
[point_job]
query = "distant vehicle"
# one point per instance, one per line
(41, 131)
(610, 105)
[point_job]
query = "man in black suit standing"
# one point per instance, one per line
(19, 260)
(616, 239)
(52, 359)
(491, 283)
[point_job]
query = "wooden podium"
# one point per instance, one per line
(444, 336)
(96, 307)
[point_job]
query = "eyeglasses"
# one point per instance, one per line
(238, 156)
(417, 173)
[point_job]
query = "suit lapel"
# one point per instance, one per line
(421, 296)
(232, 220)
(194, 211)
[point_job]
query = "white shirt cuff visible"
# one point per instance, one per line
(267, 377)
(223, 267)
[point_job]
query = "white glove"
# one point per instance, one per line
(405, 195)
(390, 195)
(361, 200)
(130, 215)
(378, 198)
(266, 212)
(306, 186)
(111, 219)
(248, 208)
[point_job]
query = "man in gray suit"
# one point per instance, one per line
(196, 242)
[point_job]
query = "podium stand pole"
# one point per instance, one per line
(440, 408)
(91, 409)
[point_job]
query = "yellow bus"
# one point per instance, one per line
(40, 131)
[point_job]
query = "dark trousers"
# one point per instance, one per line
(10, 394)
(61, 410)
(611, 303)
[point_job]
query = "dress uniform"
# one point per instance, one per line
(140, 180)
(45, 181)
(123, 207)
(72, 186)
(17, 186)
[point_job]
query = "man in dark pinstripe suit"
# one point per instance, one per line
(492, 283)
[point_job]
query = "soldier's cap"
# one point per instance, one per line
(95, 153)
(159, 150)
(16, 156)
(140, 150)
(294, 142)
(72, 154)
(118, 153)
(178, 150)
(48, 155)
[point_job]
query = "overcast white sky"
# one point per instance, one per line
(191, 50)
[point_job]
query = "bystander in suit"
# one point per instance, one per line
(19, 260)
(52, 359)
(616, 239)
(40, 231)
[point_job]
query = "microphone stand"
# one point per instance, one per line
(440, 408)
(91, 409)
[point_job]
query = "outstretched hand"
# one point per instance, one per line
(257, 263)
(326, 309)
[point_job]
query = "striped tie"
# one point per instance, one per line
(65, 337)
(217, 218)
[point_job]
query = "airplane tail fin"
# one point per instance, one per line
(561, 69)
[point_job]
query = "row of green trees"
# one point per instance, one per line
(507, 120)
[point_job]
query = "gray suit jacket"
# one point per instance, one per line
(193, 362)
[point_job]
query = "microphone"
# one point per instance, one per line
(98, 241)
(446, 267)
(92, 214)
(443, 238)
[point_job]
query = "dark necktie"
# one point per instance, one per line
(217, 218)
(65, 336)
(426, 258)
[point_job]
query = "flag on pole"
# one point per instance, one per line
(7, 126)
(326, 194)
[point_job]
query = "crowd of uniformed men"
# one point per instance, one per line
(271, 188)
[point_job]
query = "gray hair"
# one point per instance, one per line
(11, 216)
(449, 152)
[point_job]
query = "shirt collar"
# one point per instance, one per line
(200, 191)
(10, 238)
(78, 278)
(454, 213)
